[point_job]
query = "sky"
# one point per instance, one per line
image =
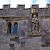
(28, 3)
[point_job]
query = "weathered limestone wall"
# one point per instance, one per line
(2, 26)
(23, 27)
(11, 42)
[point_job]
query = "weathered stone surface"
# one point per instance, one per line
(23, 18)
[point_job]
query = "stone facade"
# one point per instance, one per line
(29, 20)
(33, 22)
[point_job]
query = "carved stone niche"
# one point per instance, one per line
(34, 11)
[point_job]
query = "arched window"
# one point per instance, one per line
(15, 28)
(9, 27)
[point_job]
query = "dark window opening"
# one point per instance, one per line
(9, 27)
(15, 28)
